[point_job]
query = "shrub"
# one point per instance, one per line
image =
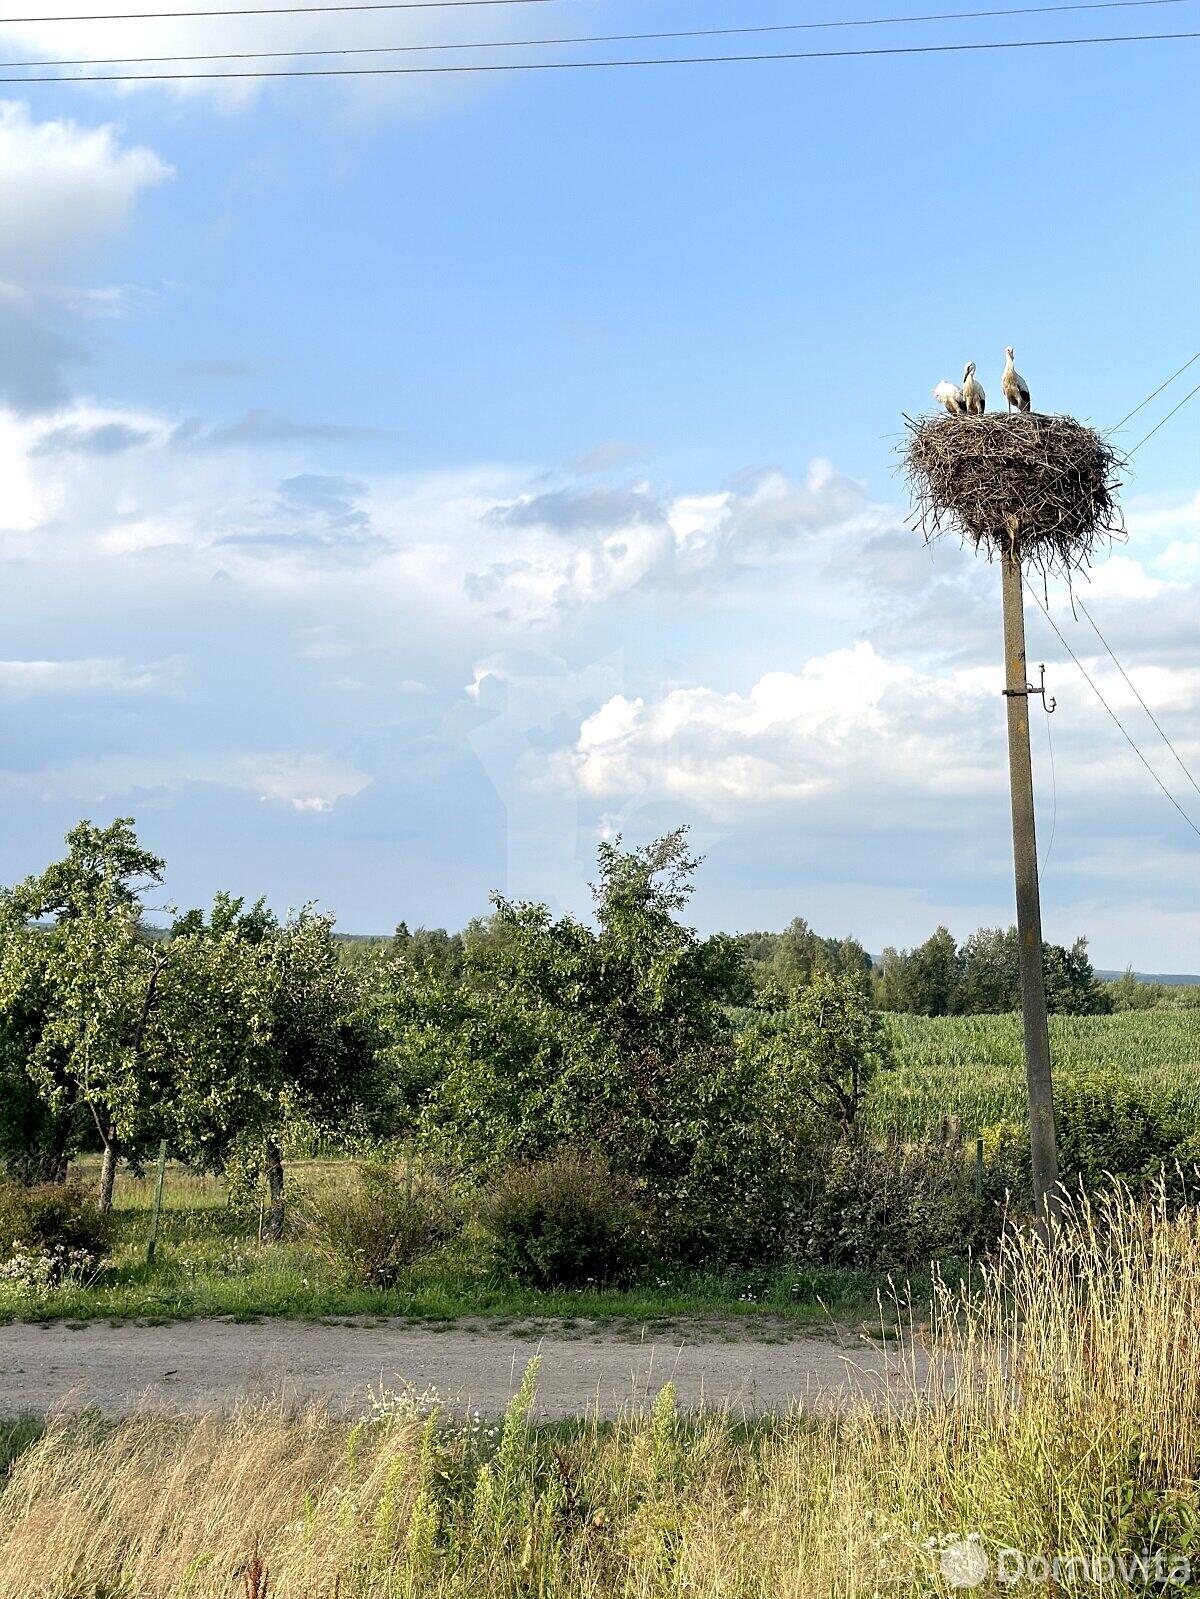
(887, 1206)
(1112, 1125)
(373, 1227)
(564, 1222)
(54, 1225)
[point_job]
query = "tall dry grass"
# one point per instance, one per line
(1060, 1415)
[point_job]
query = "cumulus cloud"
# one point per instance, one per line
(65, 192)
(849, 720)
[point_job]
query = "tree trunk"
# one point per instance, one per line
(108, 1175)
(274, 1228)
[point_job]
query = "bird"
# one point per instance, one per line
(1016, 390)
(974, 398)
(951, 396)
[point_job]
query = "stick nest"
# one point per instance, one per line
(1045, 486)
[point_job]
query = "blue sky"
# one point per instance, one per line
(412, 481)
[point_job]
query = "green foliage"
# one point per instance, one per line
(80, 990)
(889, 1206)
(923, 981)
(825, 1050)
(781, 964)
(287, 1037)
(54, 1219)
(1113, 1126)
(983, 977)
(973, 1067)
(373, 1227)
(1128, 993)
(565, 1222)
(615, 1038)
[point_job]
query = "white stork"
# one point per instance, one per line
(974, 398)
(951, 396)
(1016, 390)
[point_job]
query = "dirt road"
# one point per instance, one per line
(201, 1365)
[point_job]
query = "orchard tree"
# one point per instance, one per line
(299, 1051)
(79, 983)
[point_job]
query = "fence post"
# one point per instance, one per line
(156, 1207)
(979, 1171)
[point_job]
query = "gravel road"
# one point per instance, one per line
(215, 1365)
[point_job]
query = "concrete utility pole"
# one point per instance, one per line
(1017, 692)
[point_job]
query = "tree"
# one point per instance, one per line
(615, 1037)
(78, 980)
(828, 1045)
(783, 963)
(297, 1045)
(921, 981)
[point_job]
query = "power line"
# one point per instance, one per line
(579, 66)
(424, 5)
(1139, 406)
(1128, 737)
(1190, 395)
(579, 38)
(1136, 695)
(1054, 800)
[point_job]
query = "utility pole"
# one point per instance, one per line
(1017, 692)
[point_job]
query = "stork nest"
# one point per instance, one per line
(1044, 486)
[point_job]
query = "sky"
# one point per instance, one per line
(410, 481)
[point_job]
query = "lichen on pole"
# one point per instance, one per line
(1031, 491)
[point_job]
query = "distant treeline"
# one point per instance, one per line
(938, 978)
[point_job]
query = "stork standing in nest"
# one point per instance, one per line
(950, 396)
(974, 398)
(1016, 390)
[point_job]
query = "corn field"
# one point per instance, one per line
(973, 1067)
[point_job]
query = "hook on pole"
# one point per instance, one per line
(1034, 688)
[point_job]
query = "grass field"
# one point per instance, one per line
(210, 1262)
(1061, 1422)
(973, 1066)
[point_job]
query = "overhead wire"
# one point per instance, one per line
(562, 39)
(432, 5)
(1141, 403)
(1190, 395)
(1053, 799)
(1126, 735)
(583, 66)
(1134, 690)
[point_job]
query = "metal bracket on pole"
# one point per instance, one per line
(1033, 688)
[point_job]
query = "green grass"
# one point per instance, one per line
(210, 1262)
(973, 1066)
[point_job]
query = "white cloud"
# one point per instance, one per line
(849, 722)
(305, 782)
(96, 675)
(65, 191)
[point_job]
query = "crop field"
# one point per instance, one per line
(973, 1067)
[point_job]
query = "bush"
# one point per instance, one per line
(564, 1222)
(375, 1226)
(54, 1224)
(887, 1206)
(1110, 1128)
(1110, 1125)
